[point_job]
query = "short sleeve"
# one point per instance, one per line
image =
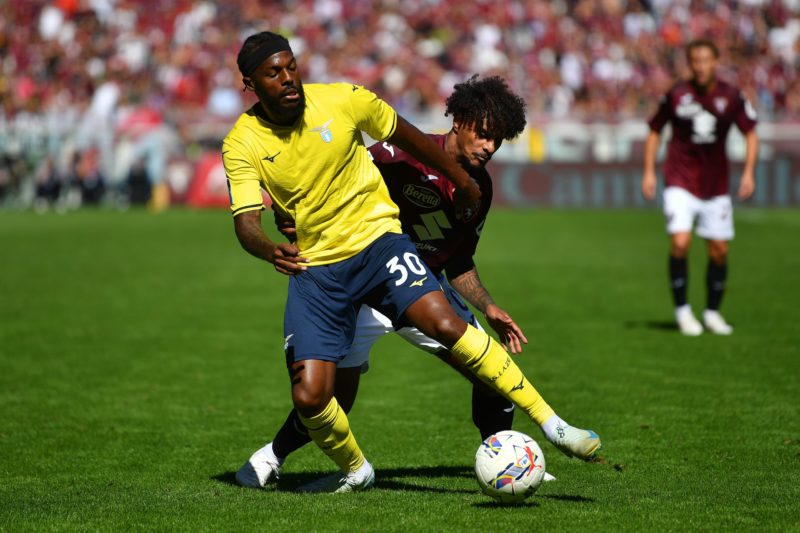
(244, 186)
(661, 116)
(371, 114)
(383, 152)
(745, 115)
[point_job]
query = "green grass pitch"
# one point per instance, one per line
(141, 363)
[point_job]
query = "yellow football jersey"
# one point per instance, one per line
(318, 171)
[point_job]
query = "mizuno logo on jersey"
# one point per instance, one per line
(270, 158)
(419, 282)
(324, 132)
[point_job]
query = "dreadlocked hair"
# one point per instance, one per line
(489, 99)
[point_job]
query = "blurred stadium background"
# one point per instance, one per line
(119, 102)
(138, 362)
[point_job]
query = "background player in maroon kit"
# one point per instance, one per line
(701, 112)
(485, 112)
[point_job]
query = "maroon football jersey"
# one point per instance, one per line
(427, 212)
(696, 159)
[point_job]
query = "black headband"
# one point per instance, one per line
(270, 43)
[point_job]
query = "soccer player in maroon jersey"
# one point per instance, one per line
(485, 112)
(701, 112)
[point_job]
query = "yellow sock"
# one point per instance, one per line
(487, 359)
(330, 430)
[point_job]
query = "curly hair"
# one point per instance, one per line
(489, 99)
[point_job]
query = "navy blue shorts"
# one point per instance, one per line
(323, 301)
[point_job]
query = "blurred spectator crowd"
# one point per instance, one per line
(98, 96)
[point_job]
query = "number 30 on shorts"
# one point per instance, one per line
(412, 262)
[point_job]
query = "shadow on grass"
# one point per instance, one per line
(387, 479)
(567, 498)
(501, 505)
(660, 325)
(572, 498)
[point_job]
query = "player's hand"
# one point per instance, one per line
(747, 186)
(510, 333)
(467, 200)
(285, 225)
(649, 186)
(287, 260)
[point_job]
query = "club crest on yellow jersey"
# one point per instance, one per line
(324, 132)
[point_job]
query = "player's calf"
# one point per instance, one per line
(487, 359)
(491, 412)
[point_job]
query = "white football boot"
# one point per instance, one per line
(575, 442)
(687, 323)
(361, 479)
(715, 323)
(548, 477)
(262, 467)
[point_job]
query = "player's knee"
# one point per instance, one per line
(310, 402)
(718, 252)
(447, 329)
(679, 244)
(679, 249)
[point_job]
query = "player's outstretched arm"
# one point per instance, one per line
(747, 184)
(649, 174)
(470, 287)
(410, 139)
(284, 256)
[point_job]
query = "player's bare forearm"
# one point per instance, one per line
(470, 287)
(649, 173)
(285, 257)
(251, 235)
(410, 139)
(751, 152)
(650, 150)
(747, 184)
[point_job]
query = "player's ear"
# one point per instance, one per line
(456, 126)
(248, 84)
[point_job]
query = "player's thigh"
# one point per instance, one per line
(371, 325)
(715, 221)
(680, 210)
(418, 339)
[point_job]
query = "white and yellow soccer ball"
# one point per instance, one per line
(509, 466)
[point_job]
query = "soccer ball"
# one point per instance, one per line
(509, 466)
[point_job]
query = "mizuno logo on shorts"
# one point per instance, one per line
(419, 282)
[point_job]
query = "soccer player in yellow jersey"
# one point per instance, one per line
(303, 145)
